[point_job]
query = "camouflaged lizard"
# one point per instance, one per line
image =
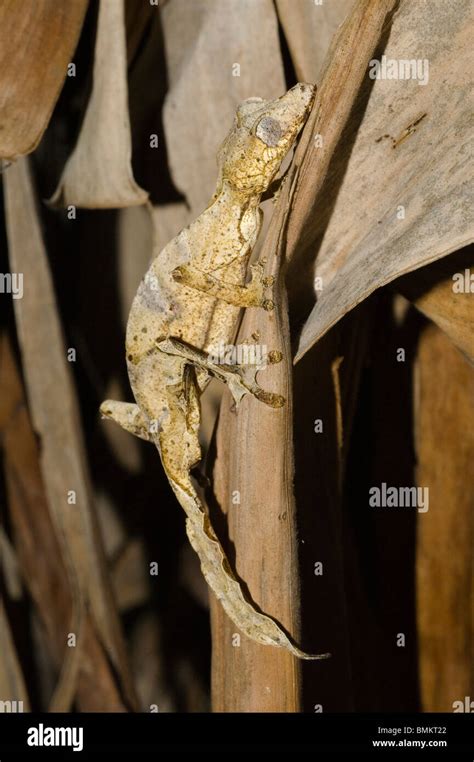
(188, 303)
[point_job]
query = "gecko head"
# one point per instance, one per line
(263, 133)
(283, 118)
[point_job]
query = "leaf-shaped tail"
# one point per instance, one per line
(221, 579)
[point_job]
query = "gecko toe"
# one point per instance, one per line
(275, 356)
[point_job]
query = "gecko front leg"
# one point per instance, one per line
(250, 295)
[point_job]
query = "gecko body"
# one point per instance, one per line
(188, 303)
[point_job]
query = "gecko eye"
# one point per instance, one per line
(269, 131)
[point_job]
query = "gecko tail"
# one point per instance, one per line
(178, 445)
(218, 574)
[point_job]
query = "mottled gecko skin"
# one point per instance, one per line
(189, 302)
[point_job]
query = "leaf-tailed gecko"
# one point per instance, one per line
(187, 304)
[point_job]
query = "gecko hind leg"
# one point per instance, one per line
(239, 378)
(179, 435)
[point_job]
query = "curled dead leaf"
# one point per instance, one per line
(98, 174)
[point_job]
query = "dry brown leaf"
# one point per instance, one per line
(403, 201)
(135, 247)
(40, 557)
(443, 293)
(37, 41)
(10, 567)
(12, 684)
(444, 428)
(56, 420)
(138, 17)
(146, 647)
(98, 174)
(309, 28)
(130, 576)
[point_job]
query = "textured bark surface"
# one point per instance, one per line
(254, 466)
